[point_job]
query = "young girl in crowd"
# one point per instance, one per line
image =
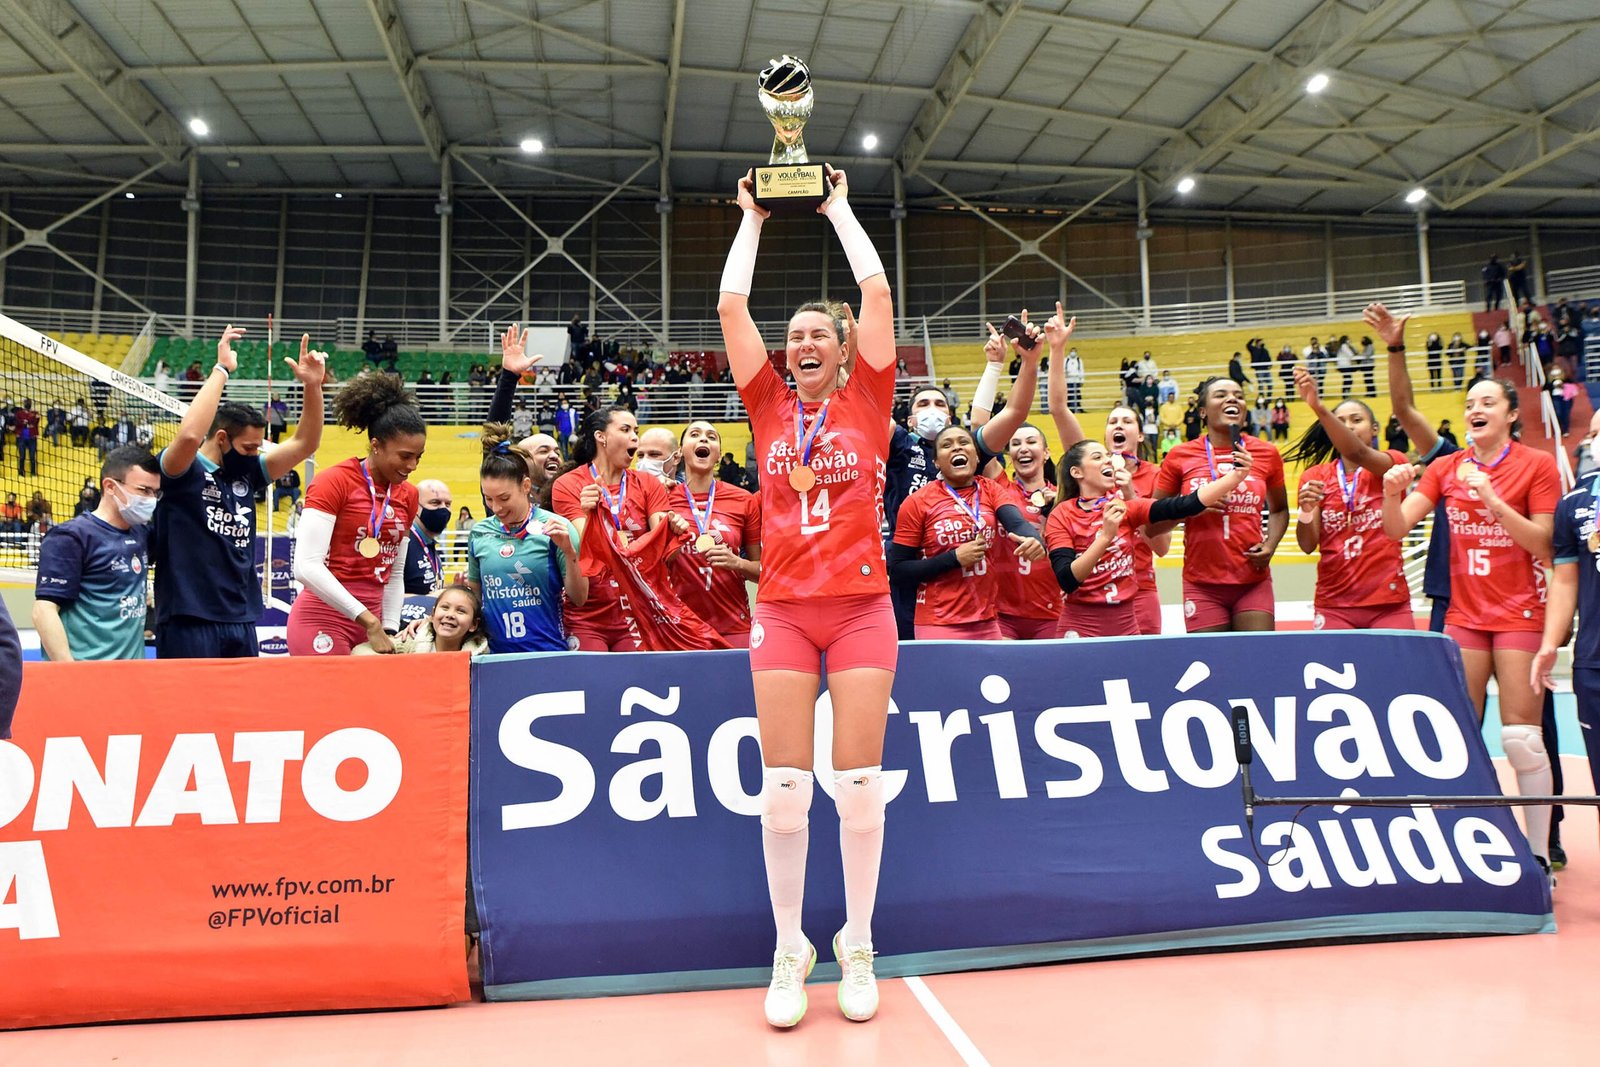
(945, 537)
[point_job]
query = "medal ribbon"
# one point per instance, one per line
(803, 439)
(431, 548)
(375, 520)
(975, 511)
(613, 504)
(1504, 452)
(1348, 491)
(701, 522)
(522, 527)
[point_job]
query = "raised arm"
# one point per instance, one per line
(1376, 460)
(997, 431)
(875, 330)
(310, 369)
(747, 353)
(179, 455)
(1392, 332)
(1402, 512)
(514, 363)
(1056, 332)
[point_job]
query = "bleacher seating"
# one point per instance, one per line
(108, 348)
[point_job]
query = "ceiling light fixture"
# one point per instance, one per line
(1316, 84)
(532, 145)
(198, 127)
(1417, 195)
(128, 195)
(1185, 185)
(869, 142)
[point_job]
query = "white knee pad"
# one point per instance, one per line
(858, 794)
(785, 799)
(1524, 747)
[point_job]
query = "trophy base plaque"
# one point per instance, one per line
(792, 188)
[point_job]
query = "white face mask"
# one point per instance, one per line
(649, 465)
(137, 510)
(1594, 451)
(930, 421)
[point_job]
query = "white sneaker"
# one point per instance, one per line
(858, 986)
(786, 996)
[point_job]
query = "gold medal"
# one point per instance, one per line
(1118, 462)
(704, 542)
(802, 479)
(1464, 470)
(623, 537)
(1038, 499)
(368, 547)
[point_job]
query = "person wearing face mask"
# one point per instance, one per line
(208, 597)
(659, 455)
(424, 572)
(89, 598)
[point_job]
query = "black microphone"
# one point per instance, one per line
(1244, 752)
(1238, 439)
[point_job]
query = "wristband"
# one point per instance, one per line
(219, 367)
(988, 385)
(740, 269)
(1397, 349)
(864, 261)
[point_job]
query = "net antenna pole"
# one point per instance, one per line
(272, 505)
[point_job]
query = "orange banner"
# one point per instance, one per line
(188, 838)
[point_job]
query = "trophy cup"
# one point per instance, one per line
(789, 182)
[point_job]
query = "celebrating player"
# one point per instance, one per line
(726, 552)
(1093, 533)
(1501, 502)
(1227, 583)
(1030, 599)
(601, 498)
(824, 592)
(942, 544)
(1360, 581)
(351, 545)
(521, 559)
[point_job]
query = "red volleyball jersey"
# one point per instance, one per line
(934, 522)
(1214, 544)
(645, 497)
(1028, 590)
(1358, 565)
(342, 491)
(716, 594)
(1144, 557)
(1074, 524)
(1494, 584)
(825, 541)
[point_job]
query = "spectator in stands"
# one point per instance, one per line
(1569, 349)
(1446, 435)
(89, 599)
(1261, 364)
(78, 424)
(752, 469)
(1366, 358)
(39, 507)
(577, 338)
(465, 521)
(1286, 362)
(729, 471)
(1395, 437)
(26, 422)
(55, 424)
(1544, 345)
(287, 488)
(11, 515)
(1149, 392)
(1528, 318)
(1130, 376)
(277, 417)
(564, 424)
(1261, 419)
(1074, 372)
(191, 374)
(1455, 353)
(1166, 388)
(389, 353)
(950, 395)
(1517, 276)
(1344, 358)
(1280, 420)
(1150, 425)
(447, 378)
(424, 573)
(1316, 358)
(1236, 371)
(373, 348)
(521, 420)
(88, 498)
(1146, 366)
(426, 377)
(1494, 283)
(1483, 355)
(1435, 347)
(1505, 344)
(1562, 393)
(1191, 419)
(1169, 441)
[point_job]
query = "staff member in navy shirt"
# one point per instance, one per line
(208, 598)
(89, 599)
(10, 671)
(424, 570)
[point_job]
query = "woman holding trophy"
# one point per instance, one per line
(824, 591)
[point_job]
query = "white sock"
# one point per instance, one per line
(1525, 751)
(785, 837)
(858, 794)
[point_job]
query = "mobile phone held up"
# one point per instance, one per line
(1015, 330)
(1238, 439)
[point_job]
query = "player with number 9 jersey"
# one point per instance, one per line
(1030, 599)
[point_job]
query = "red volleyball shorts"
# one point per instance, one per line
(983, 630)
(849, 631)
(1147, 606)
(1015, 629)
(1494, 640)
(1098, 620)
(1208, 604)
(1374, 617)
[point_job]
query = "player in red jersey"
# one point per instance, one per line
(1094, 530)
(824, 590)
(350, 550)
(1501, 500)
(1227, 583)
(946, 541)
(1360, 581)
(598, 487)
(710, 575)
(1122, 438)
(1030, 599)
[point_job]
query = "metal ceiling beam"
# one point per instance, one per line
(1427, 40)
(397, 44)
(86, 52)
(1268, 89)
(1430, 97)
(960, 71)
(566, 35)
(670, 116)
(1542, 132)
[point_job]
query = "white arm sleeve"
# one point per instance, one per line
(311, 563)
(739, 272)
(864, 261)
(988, 385)
(394, 590)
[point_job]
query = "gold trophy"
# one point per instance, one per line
(789, 182)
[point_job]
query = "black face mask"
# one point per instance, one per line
(434, 520)
(236, 465)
